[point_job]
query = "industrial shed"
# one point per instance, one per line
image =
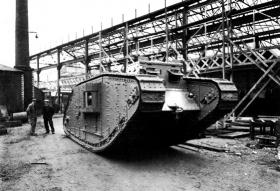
(11, 89)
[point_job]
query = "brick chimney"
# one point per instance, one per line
(22, 48)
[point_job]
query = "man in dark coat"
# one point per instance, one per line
(48, 112)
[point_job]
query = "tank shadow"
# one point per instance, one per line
(153, 155)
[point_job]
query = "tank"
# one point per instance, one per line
(157, 106)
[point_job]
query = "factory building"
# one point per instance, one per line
(11, 89)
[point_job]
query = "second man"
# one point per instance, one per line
(48, 112)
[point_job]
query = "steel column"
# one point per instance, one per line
(38, 71)
(59, 66)
(166, 32)
(100, 50)
(223, 33)
(185, 36)
(86, 62)
(126, 46)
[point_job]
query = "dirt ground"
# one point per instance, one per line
(54, 163)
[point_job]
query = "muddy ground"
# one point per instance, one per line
(53, 163)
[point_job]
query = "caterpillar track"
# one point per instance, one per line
(160, 107)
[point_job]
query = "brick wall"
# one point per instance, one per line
(11, 89)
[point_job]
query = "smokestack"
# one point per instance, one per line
(22, 37)
(22, 48)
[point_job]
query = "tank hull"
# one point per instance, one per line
(117, 111)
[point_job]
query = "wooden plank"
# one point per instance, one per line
(215, 132)
(187, 147)
(239, 128)
(234, 135)
(241, 123)
(266, 137)
(210, 148)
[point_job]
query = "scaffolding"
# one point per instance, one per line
(205, 35)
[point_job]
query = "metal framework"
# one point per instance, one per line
(204, 35)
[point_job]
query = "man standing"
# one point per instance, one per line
(48, 112)
(32, 116)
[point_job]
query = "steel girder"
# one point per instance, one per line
(194, 30)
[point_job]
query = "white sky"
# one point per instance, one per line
(58, 21)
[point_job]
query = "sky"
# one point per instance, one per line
(60, 21)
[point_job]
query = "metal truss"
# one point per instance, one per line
(205, 35)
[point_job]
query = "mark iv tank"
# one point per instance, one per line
(157, 107)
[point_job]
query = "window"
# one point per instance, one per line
(88, 99)
(91, 98)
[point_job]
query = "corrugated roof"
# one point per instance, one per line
(7, 68)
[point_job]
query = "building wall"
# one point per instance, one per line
(11, 91)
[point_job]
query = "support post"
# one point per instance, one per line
(205, 33)
(109, 54)
(100, 49)
(166, 32)
(254, 26)
(185, 37)
(176, 25)
(223, 28)
(126, 47)
(86, 62)
(230, 35)
(136, 39)
(59, 66)
(38, 71)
